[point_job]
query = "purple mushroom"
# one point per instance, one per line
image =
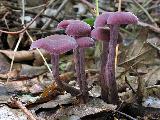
(83, 42)
(101, 20)
(103, 34)
(80, 31)
(113, 20)
(63, 24)
(56, 45)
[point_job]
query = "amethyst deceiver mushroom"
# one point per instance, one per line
(114, 21)
(103, 35)
(101, 20)
(83, 42)
(80, 31)
(56, 45)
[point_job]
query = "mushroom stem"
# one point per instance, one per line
(55, 72)
(110, 66)
(103, 82)
(55, 69)
(80, 70)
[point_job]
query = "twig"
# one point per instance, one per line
(97, 8)
(129, 84)
(151, 27)
(119, 5)
(127, 69)
(18, 103)
(133, 58)
(19, 40)
(57, 13)
(21, 31)
(23, 11)
(4, 18)
(145, 11)
(128, 116)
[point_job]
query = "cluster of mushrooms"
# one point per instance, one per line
(80, 36)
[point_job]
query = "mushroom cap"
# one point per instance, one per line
(63, 24)
(103, 34)
(100, 34)
(122, 18)
(55, 44)
(78, 28)
(85, 42)
(101, 20)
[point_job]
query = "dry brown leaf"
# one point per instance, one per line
(94, 106)
(19, 55)
(4, 64)
(27, 56)
(139, 51)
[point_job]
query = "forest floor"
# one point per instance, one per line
(27, 88)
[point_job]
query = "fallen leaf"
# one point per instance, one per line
(82, 110)
(27, 56)
(19, 55)
(139, 51)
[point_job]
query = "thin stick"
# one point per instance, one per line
(119, 5)
(117, 47)
(151, 27)
(128, 116)
(19, 40)
(97, 8)
(23, 12)
(23, 108)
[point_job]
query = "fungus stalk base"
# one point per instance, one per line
(55, 72)
(110, 66)
(103, 81)
(80, 70)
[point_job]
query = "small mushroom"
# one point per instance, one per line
(56, 45)
(80, 31)
(78, 28)
(83, 42)
(114, 20)
(103, 34)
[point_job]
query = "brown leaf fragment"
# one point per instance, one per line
(19, 55)
(27, 56)
(81, 110)
(28, 71)
(59, 100)
(4, 64)
(139, 50)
